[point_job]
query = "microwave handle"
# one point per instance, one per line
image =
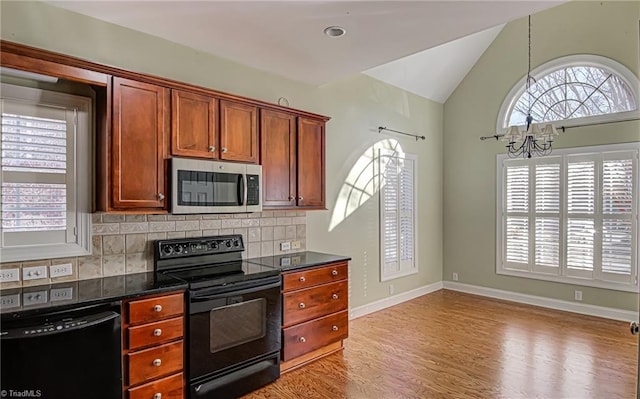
(241, 189)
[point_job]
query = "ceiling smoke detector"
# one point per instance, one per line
(335, 31)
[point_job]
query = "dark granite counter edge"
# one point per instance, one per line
(313, 264)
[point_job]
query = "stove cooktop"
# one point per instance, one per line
(222, 274)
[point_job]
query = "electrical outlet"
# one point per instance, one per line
(455, 276)
(578, 295)
(295, 244)
(32, 273)
(8, 275)
(391, 289)
(285, 246)
(65, 269)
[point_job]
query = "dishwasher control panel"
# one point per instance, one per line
(66, 324)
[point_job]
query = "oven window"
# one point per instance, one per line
(208, 188)
(237, 324)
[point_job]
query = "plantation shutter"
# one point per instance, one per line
(398, 215)
(517, 216)
(581, 206)
(36, 171)
(547, 215)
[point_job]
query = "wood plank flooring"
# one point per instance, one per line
(454, 345)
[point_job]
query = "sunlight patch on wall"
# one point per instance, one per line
(363, 180)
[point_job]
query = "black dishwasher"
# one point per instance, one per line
(68, 355)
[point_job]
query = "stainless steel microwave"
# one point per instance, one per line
(203, 186)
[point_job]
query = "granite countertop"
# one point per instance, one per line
(33, 300)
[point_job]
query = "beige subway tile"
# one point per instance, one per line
(213, 232)
(96, 245)
(253, 250)
(267, 233)
(136, 263)
(96, 218)
(156, 218)
(231, 223)
(192, 217)
(291, 213)
(268, 222)
(256, 215)
(156, 236)
(155, 227)
(266, 248)
(112, 245)
(175, 217)
(175, 234)
(279, 233)
(193, 233)
(299, 220)
(250, 222)
(290, 232)
(187, 225)
(240, 215)
(266, 214)
(107, 218)
(279, 214)
(210, 224)
(138, 227)
(253, 234)
(89, 267)
(283, 221)
(113, 265)
(225, 216)
(226, 231)
(105, 228)
(135, 218)
(301, 231)
(210, 217)
(135, 243)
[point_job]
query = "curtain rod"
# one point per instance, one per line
(564, 128)
(381, 128)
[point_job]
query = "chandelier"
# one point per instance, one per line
(535, 138)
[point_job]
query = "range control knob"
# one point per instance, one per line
(214, 245)
(167, 249)
(228, 243)
(236, 243)
(178, 249)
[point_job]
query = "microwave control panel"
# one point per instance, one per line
(253, 189)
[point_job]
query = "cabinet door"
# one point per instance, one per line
(193, 125)
(278, 158)
(238, 132)
(139, 144)
(311, 180)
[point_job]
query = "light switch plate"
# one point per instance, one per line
(35, 272)
(285, 246)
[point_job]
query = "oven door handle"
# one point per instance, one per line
(262, 287)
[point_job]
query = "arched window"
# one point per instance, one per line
(578, 89)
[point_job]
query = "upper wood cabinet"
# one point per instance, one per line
(238, 132)
(138, 145)
(292, 159)
(194, 125)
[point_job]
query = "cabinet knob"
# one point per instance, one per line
(157, 362)
(302, 279)
(212, 148)
(302, 339)
(291, 198)
(334, 328)
(334, 272)
(161, 196)
(334, 296)
(157, 308)
(300, 198)
(302, 305)
(224, 149)
(157, 332)
(157, 396)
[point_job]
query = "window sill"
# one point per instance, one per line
(570, 280)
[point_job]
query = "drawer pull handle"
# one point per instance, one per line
(302, 279)
(334, 272)
(157, 362)
(334, 296)
(302, 339)
(157, 332)
(157, 396)
(334, 328)
(302, 305)
(157, 308)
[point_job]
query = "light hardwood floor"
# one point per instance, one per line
(453, 345)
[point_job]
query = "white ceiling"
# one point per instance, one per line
(286, 37)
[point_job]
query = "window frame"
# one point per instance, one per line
(564, 276)
(598, 61)
(78, 183)
(403, 270)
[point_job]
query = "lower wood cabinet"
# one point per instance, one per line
(315, 316)
(153, 336)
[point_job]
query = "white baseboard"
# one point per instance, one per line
(393, 300)
(591, 310)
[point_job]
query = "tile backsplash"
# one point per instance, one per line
(122, 244)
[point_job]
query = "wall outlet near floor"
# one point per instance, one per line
(455, 276)
(33, 273)
(578, 295)
(8, 275)
(65, 269)
(295, 244)
(285, 246)
(391, 289)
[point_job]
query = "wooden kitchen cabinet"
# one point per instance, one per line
(153, 337)
(292, 158)
(315, 317)
(138, 146)
(238, 132)
(194, 125)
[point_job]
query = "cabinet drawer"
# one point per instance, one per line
(171, 387)
(314, 302)
(315, 334)
(310, 277)
(155, 333)
(154, 362)
(158, 308)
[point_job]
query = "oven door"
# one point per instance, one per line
(233, 324)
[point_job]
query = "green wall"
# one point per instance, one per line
(357, 105)
(604, 28)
